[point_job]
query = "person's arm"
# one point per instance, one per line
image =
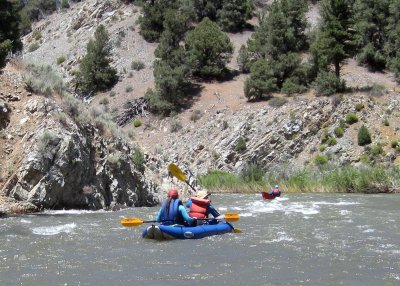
(158, 219)
(189, 203)
(185, 215)
(213, 211)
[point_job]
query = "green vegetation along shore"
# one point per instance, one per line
(349, 179)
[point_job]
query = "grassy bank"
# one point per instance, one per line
(363, 179)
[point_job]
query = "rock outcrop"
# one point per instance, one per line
(61, 162)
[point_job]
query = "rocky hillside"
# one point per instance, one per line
(77, 167)
(51, 160)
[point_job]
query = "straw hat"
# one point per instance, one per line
(202, 194)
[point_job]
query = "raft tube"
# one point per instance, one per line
(162, 232)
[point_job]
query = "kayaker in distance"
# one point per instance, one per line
(172, 211)
(275, 191)
(200, 207)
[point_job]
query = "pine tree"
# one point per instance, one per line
(261, 82)
(207, 8)
(392, 45)
(95, 73)
(209, 49)
(9, 29)
(334, 41)
(371, 21)
(152, 21)
(234, 13)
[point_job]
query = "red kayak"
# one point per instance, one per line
(267, 196)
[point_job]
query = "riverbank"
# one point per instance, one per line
(348, 179)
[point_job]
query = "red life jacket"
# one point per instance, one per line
(199, 207)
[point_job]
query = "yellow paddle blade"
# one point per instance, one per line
(231, 217)
(236, 230)
(129, 222)
(176, 172)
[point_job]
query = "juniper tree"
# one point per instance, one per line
(95, 72)
(209, 49)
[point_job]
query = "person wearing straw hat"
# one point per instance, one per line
(200, 207)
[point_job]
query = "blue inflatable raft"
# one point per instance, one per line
(162, 232)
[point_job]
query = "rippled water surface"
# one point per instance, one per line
(298, 239)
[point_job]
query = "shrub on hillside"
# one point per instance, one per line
(339, 132)
(136, 122)
(290, 87)
(320, 160)
(364, 137)
(137, 65)
(277, 101)
(240, 145)
(327, 83)
(351, 118)
(42, 79)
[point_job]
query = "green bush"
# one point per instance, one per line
(331, 141)
(129, 88)
(320, 160)
(290, 87)
(359, 106)
(325, 136)
(277, 101)
(394, 144)
(60, 60)
(385, 122)
(376, 150)
(33, 47)
(37, 35)
(327, 83)
(104, 101)
(240, 145)
(175, 126)
(196, 115)
(138, 159)
(137, 123)
(43, 80)
(351, 118)
(137, 65)
(364, 137)
(339, 132)
(65, 4)
(5, 48)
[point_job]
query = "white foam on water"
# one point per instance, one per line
(25, 221)
(61, 212)
(246, 214)
(369, 230)
(345, 212)
(336, 204)
(282, 236)
(53, 230)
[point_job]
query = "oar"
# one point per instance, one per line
(129, 222)
(177, 173)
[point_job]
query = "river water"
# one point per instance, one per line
(298, 239)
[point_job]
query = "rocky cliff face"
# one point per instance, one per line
(51, 161)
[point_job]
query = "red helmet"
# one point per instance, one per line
(173, 194)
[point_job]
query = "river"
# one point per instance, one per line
(297, 239)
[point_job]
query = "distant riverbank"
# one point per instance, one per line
(347, 179)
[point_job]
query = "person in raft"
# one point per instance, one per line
(172, 211)
(200, 207)
(275, 191)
